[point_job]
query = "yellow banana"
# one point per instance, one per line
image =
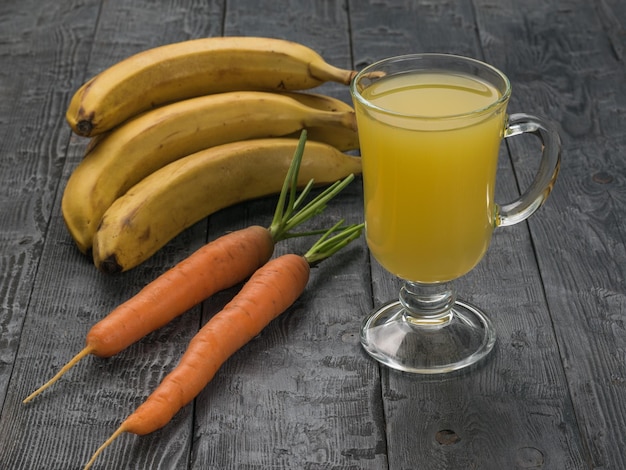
(319, 101)
(184, 192)
(192, 68)
(117, 160)
(341, 137)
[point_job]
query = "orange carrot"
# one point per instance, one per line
(220, 264)
(272, 289)
(269, 292)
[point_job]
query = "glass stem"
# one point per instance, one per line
(428, 305)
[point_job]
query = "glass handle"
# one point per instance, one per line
(531, 200)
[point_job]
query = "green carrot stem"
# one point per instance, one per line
(328, 244)
(289, 213)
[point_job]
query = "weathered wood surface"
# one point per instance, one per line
(303, 395)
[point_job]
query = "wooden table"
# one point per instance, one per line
(304, 395)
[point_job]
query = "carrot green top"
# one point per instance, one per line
(289, 213)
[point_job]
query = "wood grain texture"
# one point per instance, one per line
(574, 73)
(303, 394)
(32, 146)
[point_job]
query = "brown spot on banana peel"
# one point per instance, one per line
(352, 123)
(84, 122)
(109, 265)
(84, 127)
(145, 236)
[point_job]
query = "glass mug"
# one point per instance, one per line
(430, 129)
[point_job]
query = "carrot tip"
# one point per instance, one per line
(106, 444)
(87, 350)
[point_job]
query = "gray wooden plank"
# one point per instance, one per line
(576, 73)
(302, 394)
(33, 141)
(64, 427)
(514, 409)
(612, 14)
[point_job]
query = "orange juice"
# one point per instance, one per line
(429, 146)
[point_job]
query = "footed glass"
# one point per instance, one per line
(430, 129)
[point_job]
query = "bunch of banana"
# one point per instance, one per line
(183, 192)
(149, 113)
(124, 156)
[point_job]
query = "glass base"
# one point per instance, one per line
(428, 346)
